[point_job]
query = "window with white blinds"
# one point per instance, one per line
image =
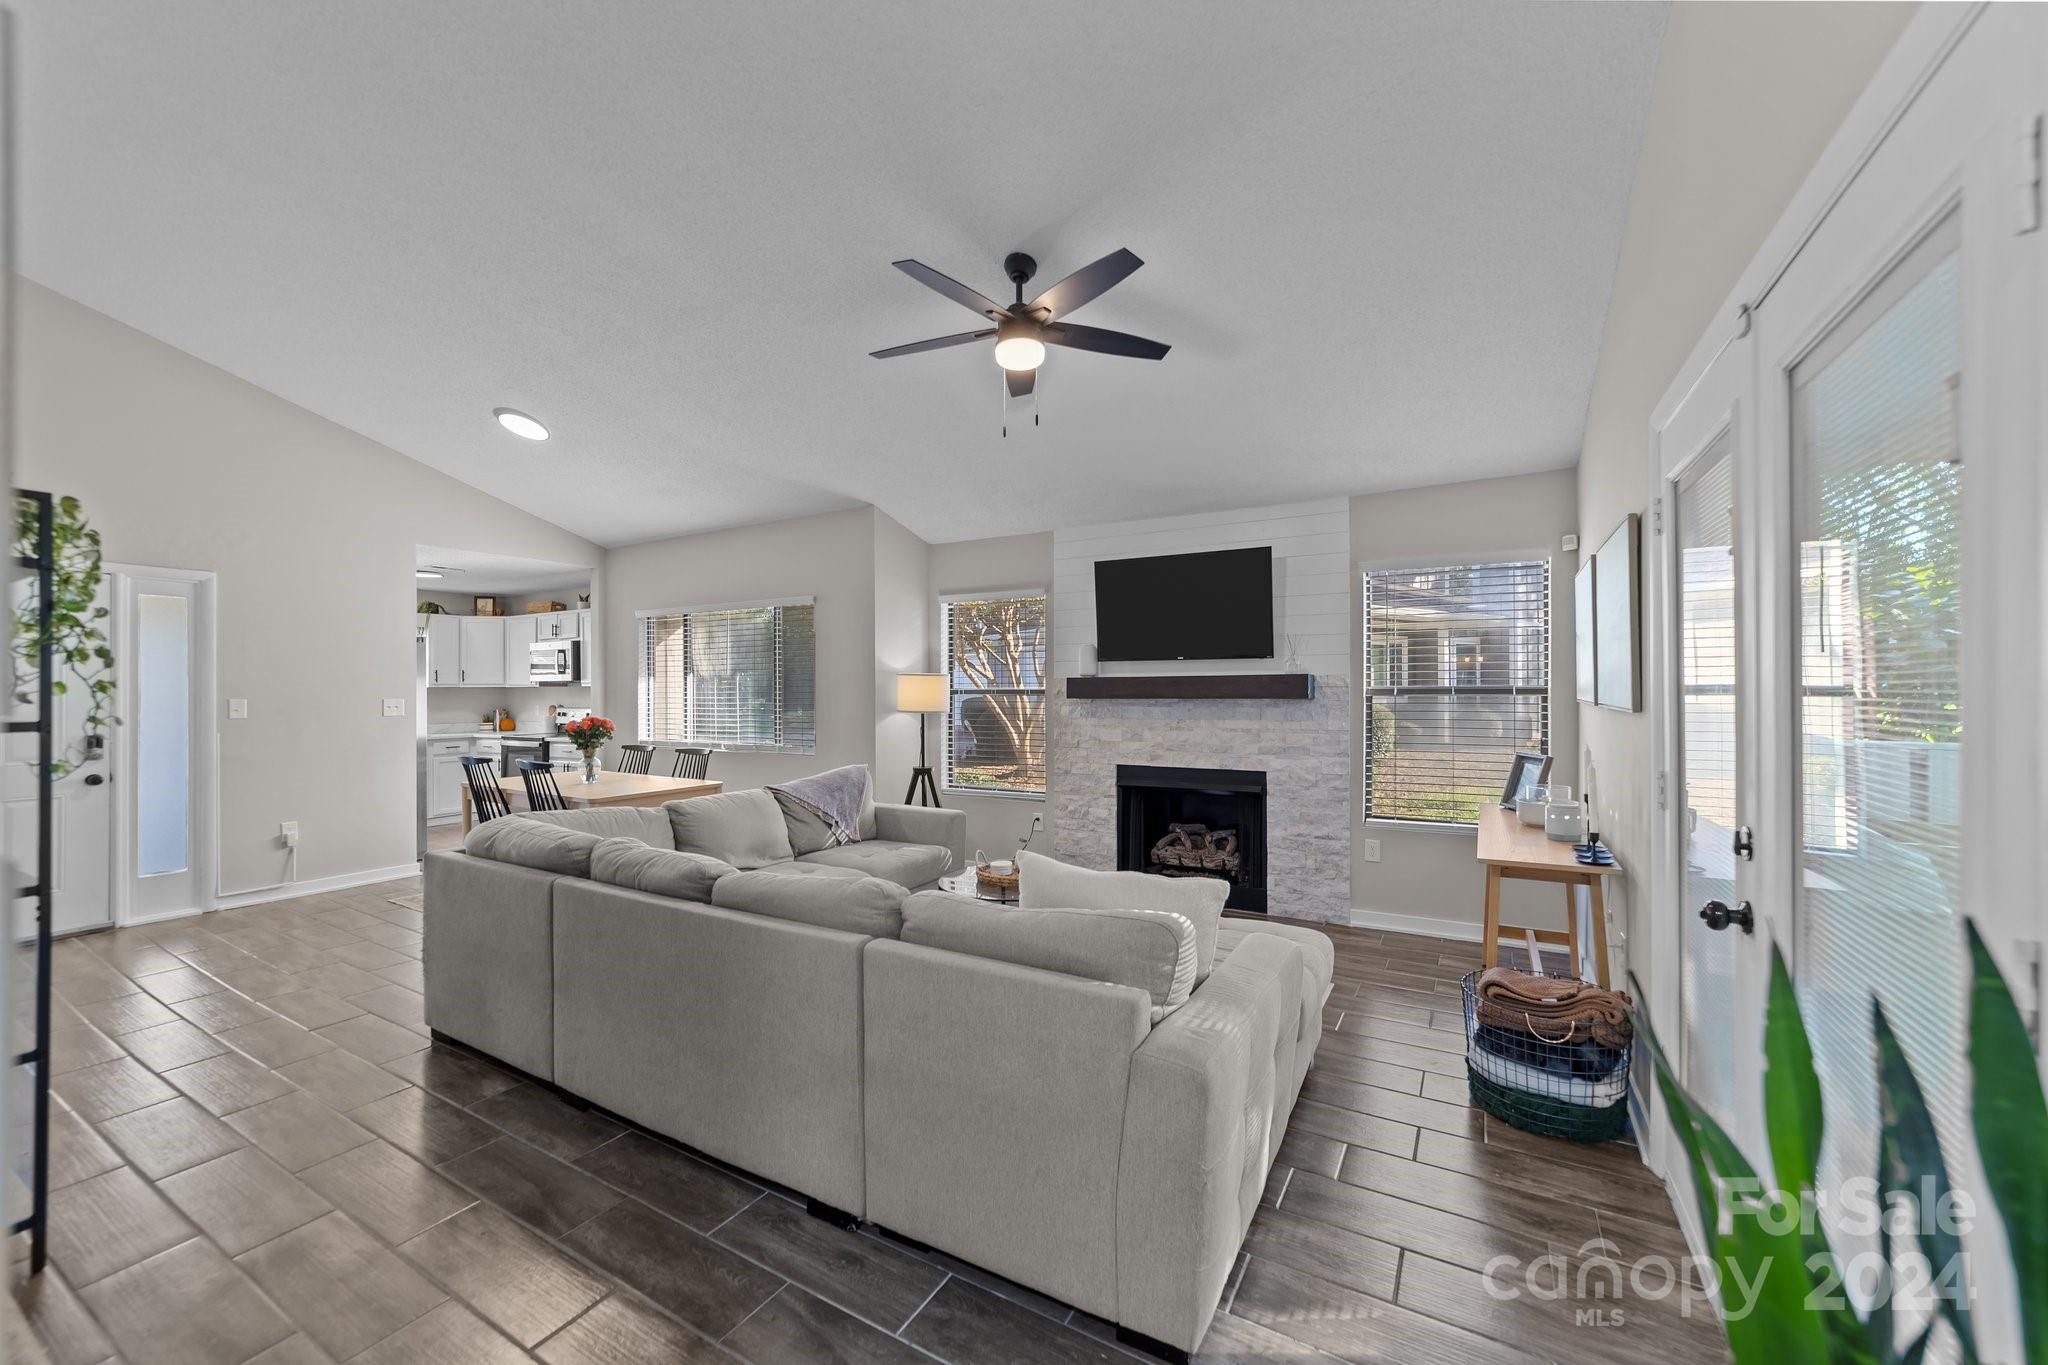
(1457, 681)
(1878, 495)
(741, 677)
(995, 670)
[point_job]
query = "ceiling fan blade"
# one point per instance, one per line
(953, 289)
(1089, 282)
(1020, 381)
(935, 344)
(1103, 340)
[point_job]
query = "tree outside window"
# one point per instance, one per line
(995, 666)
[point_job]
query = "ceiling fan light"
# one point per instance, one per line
(1018, 347)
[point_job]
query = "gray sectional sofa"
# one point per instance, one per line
(1049, 1093)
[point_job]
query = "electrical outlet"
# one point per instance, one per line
(238, 708)
(288, 833)
(1369, 849)
(394, 706)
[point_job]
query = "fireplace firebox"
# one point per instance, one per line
(1195, 822)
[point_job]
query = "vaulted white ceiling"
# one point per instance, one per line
(1379, 237)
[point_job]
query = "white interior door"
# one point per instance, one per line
(166, 741)
(82, 808)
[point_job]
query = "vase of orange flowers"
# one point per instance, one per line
(589, 735)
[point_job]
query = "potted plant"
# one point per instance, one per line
(589, 735)
(1763, 1233)
(77, 634)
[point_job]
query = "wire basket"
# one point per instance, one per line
(1571, 1088)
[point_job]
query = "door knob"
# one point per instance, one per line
(1718, 916)
(94, 779)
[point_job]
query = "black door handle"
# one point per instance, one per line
(93, 779)
(1718, 916)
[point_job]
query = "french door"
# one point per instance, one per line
(1847, 622)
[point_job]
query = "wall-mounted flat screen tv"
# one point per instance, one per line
(1213, 605)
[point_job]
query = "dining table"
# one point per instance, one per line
(610, 789)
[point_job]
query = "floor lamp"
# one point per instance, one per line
(922, 694)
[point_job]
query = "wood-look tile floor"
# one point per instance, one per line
(258, 1154)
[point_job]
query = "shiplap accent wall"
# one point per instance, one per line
(1311, 585)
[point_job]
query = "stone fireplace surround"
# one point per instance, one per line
(1303, 747)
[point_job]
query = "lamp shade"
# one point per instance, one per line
(923, 692)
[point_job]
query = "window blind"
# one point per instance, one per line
(741, 677)
(1878, 496)
(995, 669)
(1457, 681)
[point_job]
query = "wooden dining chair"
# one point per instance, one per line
(692, 763)
(486, 798)
(541, 791)
(634, 758)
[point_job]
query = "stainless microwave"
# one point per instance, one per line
(556, 661)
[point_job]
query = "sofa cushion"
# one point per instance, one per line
(648, 824)
(866, 905)
(1153, 950)
(658, 871)
(803, 867)
(538, 844)
(1318, 965)
(904, 864)
(810, 831)
(1047, 882)
(745, 829)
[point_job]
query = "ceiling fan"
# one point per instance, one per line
(1023, 330)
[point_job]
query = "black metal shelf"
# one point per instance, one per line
(43, 564)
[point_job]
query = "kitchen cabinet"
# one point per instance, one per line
(483, 651)
(445, 777)
(444, 650)
(559, 625)
(520, 633)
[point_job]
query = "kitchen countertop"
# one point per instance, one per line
(526, 736)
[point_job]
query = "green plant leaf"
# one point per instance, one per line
(1792, 1106)
(2011, 1119)
(1909, 1161)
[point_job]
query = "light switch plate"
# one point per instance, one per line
(238, 708)
(394, 706)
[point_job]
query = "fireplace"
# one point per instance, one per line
(1195, 822)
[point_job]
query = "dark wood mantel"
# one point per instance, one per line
(1195, 686)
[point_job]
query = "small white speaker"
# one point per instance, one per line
(1088, 661)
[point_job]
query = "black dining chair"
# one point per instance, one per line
(692, 763)
(486, 798)
(541, 791)
(634, 758)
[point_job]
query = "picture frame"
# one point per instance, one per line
(1617, 622)
(1525, 770)
(1585, 633)
(485, 606)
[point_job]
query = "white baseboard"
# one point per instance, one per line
(1398, 923)
(288, 890)
(160, 917)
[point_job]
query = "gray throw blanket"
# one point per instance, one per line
(835, 797)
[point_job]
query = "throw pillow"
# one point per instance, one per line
(659, 871)
(1153, 950)
(865, 905)
(1046, 882)
(745, 829)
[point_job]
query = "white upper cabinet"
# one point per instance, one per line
(444, 651)
(483, 651)
(559, 625)
(520, 633)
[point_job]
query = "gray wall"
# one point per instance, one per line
(1433, 873)
(1746, 98)
(311, 530)
(903, 631)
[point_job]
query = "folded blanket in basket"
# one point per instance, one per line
(1552, 1009)
(1575, 1073)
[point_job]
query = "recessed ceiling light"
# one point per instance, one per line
(519, 424)
(427, 573)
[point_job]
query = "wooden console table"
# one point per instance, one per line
(1509, 848)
